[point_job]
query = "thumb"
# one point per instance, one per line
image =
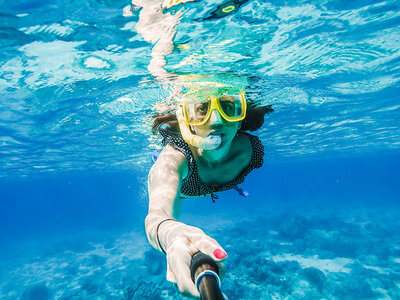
(211, 247)
(219, 254)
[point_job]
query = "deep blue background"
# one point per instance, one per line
(74, 202)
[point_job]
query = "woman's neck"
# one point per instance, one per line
(212, 158)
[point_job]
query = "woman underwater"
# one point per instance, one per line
(207, 150)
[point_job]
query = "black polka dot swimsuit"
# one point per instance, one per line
(192, 185)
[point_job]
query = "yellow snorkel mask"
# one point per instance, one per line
(196, 106)
(197, 109)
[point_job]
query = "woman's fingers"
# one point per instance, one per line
(170, 274)
(179, 260)
(179, 257)
(185, 283)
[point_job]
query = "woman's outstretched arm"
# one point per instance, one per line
(164, 184)
(179, 241)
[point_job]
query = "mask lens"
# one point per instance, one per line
(196, 110)
(231, 106)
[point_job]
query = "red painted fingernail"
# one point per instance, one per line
(219, 253)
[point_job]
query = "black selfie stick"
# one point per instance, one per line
(205, 275)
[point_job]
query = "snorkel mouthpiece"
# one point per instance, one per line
(207, 143)
(211, 142)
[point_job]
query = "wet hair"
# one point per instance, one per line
(254, 118)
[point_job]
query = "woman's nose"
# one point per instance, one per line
(215, 117)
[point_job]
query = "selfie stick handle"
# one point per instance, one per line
(205, 275)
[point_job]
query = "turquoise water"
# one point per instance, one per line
(79, 82)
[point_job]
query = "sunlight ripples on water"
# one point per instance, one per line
(77, 92)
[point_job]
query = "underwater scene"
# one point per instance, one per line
(81, 83)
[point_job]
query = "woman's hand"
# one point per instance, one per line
(180, 250)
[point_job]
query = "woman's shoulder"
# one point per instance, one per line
(173, 159)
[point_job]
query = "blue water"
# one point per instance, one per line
(77, 95)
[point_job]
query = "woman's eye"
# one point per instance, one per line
(228, 107)
(202, 108)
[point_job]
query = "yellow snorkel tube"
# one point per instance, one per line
(213, 86)
(207, 143)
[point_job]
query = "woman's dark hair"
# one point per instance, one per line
(254, 119)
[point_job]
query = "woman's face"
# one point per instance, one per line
(216, 125)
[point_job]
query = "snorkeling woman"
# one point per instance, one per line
(207, 150)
